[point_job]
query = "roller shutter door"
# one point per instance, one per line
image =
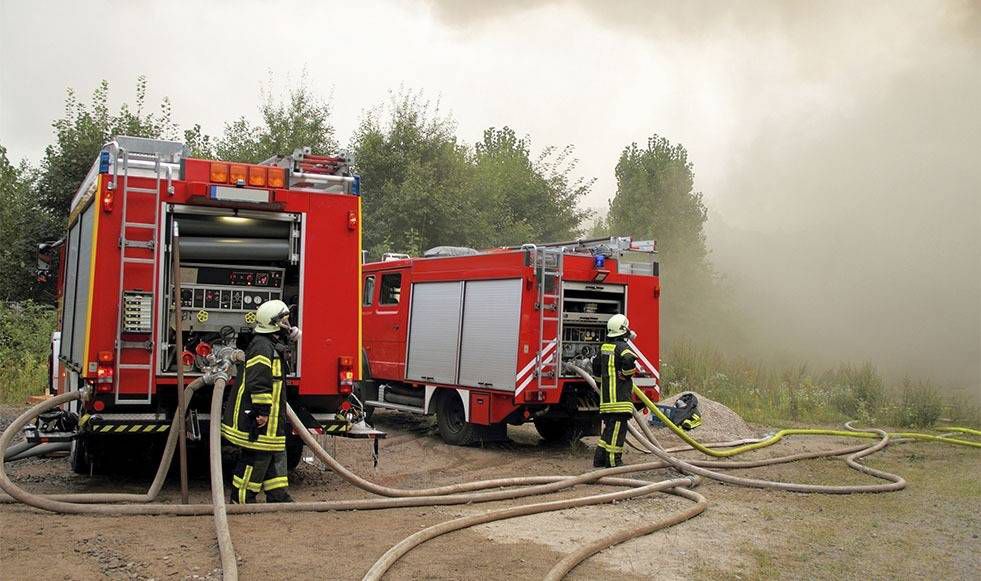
(489, 342)
(434, 332)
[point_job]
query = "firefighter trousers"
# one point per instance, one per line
(258, 470)
(609, 449)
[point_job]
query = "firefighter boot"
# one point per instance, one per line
(278, 495)
(600, 457)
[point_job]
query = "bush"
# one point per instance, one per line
(920, 405)
(769, 394)
(857, 391)
(25, 335)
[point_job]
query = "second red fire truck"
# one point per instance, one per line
(484, 339)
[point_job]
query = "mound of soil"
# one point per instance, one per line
(719, 423)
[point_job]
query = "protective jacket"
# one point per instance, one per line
(615, 366)
(259, 393)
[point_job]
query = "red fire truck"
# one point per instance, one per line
(482, 339)
(288, 228)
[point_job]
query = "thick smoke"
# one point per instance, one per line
(845, 186)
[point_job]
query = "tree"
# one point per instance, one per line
(23, 224)
(82, 132)
(523, 200)
(655, 198)
(302, 120)
(415, 178)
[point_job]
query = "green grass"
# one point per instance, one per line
(764, 393)
(25, 334)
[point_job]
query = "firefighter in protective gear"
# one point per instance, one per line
(614, 368)
(254, 418)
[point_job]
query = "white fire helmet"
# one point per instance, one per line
(617, 326)
(268, 316)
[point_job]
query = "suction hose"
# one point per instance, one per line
(895, 482)
(639, 488)
(158, 479)
(226, 551)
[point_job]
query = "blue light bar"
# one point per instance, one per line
(356, 186)
(104, 161)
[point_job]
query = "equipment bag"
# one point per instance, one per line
(683, 413)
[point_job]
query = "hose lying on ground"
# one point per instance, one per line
(444, 495)
(895, 482)
(158, 479)
(38, 449)
(640, 488)
(570, 561)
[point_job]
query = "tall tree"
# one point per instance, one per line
(84, 129)
(415, 177)
(23, 224)
(656, 199)
(524, 200)
(303, 119)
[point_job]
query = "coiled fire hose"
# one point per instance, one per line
(445, 495)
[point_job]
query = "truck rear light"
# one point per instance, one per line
(107, 202)
(534, 395)
(103, 375)
(98, 405)
(103, 388)
(345, 372)
(277, 177)
(237, 174)
(257, 175)
(105, 356)
(352, 220)
(219, 172)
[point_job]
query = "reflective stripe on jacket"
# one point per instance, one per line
(259, 393)
(615, 366)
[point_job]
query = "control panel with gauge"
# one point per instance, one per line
(213, 296)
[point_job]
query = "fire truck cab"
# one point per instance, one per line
(484, 339)
(246, 234)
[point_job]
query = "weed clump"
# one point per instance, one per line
(25, 335)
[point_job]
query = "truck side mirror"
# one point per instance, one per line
(47, 254)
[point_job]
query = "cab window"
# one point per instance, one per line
(391, 289)
(369, 291)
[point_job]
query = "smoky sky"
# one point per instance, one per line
(835, 143)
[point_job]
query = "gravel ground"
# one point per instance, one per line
(929, 530)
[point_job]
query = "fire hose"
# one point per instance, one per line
(444, 495)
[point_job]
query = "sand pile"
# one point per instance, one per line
(719, 423)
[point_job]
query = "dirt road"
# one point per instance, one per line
(931, 529)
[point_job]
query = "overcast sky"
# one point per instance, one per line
(836, 143)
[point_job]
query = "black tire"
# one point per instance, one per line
(294, 452)
(78, 456)
(565, 430)
(452, 422)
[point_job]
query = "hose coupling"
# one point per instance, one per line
(86, 393)
(213, 376)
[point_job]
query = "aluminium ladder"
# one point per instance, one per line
(135, 306)
(548, 268)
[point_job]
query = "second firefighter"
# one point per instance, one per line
(614, 367)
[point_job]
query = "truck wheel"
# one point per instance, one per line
(294, 451)
(565, 430)
(78, 456)
(452, 420)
